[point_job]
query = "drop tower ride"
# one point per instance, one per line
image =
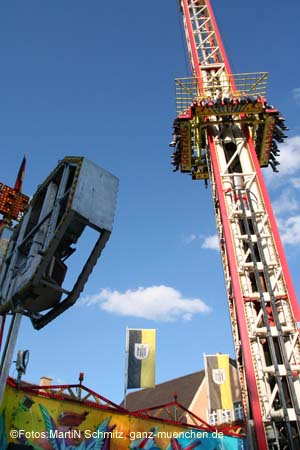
(224, 132)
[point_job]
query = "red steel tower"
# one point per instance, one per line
(225, 131)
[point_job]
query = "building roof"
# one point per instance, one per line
(184, 388)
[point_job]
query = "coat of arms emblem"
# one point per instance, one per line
(141, 351)
(219, 376)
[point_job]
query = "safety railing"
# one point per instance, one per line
(187, 90)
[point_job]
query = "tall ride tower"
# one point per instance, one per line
(225, 131)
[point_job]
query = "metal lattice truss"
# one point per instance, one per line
(272, 331)
(174, 412)
(203, 45)
(69, 392)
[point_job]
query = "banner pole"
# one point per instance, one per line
(207, 388)
(126, 366)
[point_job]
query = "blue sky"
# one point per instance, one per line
(96, 79)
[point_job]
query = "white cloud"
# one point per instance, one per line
(161, 303)
(290, 230)
(285, 203)
(189, 239)
(211, 242)
(289, 157)
(295, 182)
(289, 168)
(296, 95)
(208, 242)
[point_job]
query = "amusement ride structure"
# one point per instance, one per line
(224, 132)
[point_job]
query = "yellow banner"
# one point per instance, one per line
(225, 388)
(148, 364)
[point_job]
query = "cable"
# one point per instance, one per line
(183, 43)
